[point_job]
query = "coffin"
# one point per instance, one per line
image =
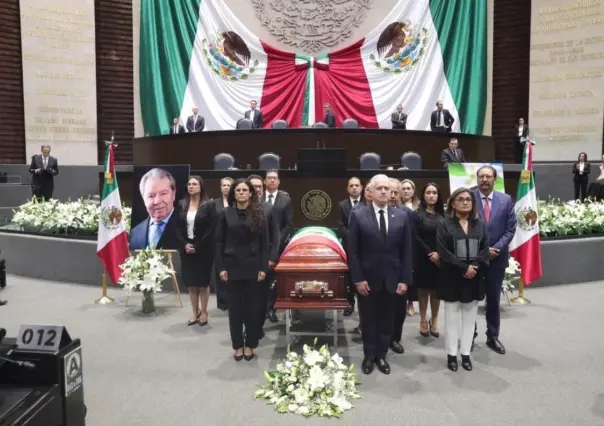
(312, 272)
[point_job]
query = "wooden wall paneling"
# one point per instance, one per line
(115, 82)
(12, 120)
(511, 72)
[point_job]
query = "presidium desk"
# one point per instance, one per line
(315, 195)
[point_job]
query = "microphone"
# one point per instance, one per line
(25, 364)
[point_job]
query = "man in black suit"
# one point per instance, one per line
(399, 118)
(453, 154)
(521, 131)
(441, 119)
(255, 115)
(354, 199)
(274, 241)
(195, 123)
(380, 262)
(44, 168)
(176, 128)
(329, 119)
(283, 211)
(159, 229)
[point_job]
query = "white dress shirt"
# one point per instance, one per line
(377, 209)
(352, 200)
(252, 112)
(520, 130)
(488, 197)
(191, 224)
(441, 114)
(581, 168)
(45, 162)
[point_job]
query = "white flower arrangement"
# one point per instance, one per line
(512, 273)
(557, 218)
(145, 271)
(79, 217)
(315, 382)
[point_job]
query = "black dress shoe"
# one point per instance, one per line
(367, 365)
(495, 345)
(397, 347)
(272, 316)
(348, 311)
(466, 363)
(452, 362)
(222, 307)
(237, 357)
(249, 357)
(383, 365)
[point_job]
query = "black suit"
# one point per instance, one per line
(258, 118)
(519, 146)
(399, 120)
(449, 156)
(219, 285)
(169, 240)
(42, 184)
(382, 264)
(266, 302)
(179, 128)
(580, 180)
(195, 125)
(330, 119)
(448, 120)
(345, 207)
(242, 253)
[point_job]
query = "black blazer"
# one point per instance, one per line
(179, 129)
(586, 170)
(447, 156)
(449, 120)
(203, 228)
(219, 205)
(284, 213)
(169, 240)
(46, 175)
(196, 126)
(274, 237)
(525, 131)
(330, 119)
(399, 124)
(373, 260)
(345, 207)
(240, 251)
(258, 118)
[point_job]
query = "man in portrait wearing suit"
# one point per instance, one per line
(176, 128)
(274, 242)
(380, 262)
(283, 211)
(399, 118)
(521, 130)
(329, 119)
(255, 115)
(353, 200)
(195, 122)
(497, 210)
(159, 229)
(441, 119)
(44, 168)
(453, 154)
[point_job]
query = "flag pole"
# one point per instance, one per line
(520, 299)
(104, 299)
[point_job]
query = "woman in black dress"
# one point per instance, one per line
(463, 246)
(581, 171)
(428, 215)
(242, 250)
(196, 222)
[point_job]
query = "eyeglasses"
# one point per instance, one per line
(463, 200)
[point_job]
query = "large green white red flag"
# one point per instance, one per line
(526, 244)
(112, 243)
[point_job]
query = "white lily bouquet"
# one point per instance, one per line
(145, 271)
(512, 273)
(314, 382)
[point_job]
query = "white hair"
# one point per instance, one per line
(156, 174)
(376, 178)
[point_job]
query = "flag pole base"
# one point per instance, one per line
(104, 299)
(520, 300)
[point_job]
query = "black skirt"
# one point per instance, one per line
(197, 268)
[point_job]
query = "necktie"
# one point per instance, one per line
(270, 198)
(438, 120)
(383, 225)
(487, 209)
(354, 203)
(45, 161)
(399, 116)
(156, 233)
(454, 153)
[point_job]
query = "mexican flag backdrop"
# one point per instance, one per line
(196, 52)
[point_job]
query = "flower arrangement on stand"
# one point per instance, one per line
(145, 271)
(512, 274)
(314, 382)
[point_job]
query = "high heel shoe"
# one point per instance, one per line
(466, 363)
(238, 357)
(423, 333)
(452, 362)
(195, 321)
(433, 333)
(202, 323)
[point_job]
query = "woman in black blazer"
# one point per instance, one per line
(196, 223)
(221, 203)
(242, 250)
(581, 171)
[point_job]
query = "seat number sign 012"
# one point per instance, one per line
(41, 338)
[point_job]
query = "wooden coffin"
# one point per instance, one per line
(312, 272)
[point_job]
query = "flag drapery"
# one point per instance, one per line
(526, 244)
(112, 243)
(196, 52)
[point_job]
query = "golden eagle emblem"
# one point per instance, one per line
(229, 56)
(527, 218)
(400, 47)
(316, 204)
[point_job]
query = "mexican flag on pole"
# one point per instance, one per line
(526, 244)
(112, 243)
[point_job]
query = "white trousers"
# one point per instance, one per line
(456, 312)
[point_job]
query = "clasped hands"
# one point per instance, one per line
(363, 288)
(189, 248)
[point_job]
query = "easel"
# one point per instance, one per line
(169, 254)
